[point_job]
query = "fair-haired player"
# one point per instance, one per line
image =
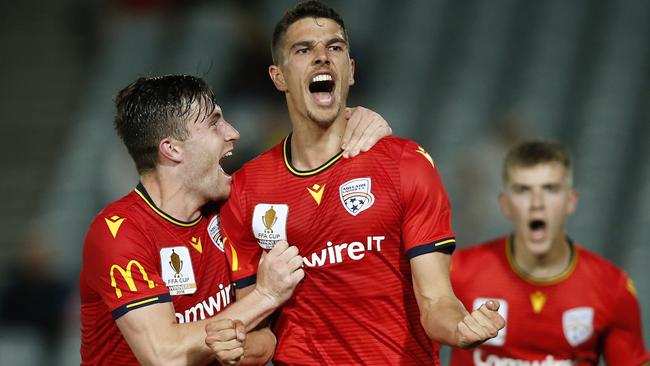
(563, 304)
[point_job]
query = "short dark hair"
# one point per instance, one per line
(306, 9)
(530, 153)
(153, 108)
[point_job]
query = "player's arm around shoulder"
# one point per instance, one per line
(364, 129)
(442, 315)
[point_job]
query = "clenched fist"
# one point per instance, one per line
(479, 326)
(227, 339)
(279, 272)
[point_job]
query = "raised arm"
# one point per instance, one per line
(442, 315)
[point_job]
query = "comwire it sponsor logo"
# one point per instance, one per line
(493, 360)
(337, 253)
(208, 307)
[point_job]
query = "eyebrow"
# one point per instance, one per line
(312, 43)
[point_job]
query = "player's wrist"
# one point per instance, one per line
(267, 298)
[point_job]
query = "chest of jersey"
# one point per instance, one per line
(346, 214)
(194, 269)
(564, 317)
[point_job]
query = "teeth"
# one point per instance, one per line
(321, 77)
(229, 153)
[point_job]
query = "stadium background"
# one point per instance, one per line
(465, 79)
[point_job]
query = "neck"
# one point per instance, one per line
(171, 196)
(313, 144)
(546, 266)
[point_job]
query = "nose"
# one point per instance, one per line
(320, 54)
(537, 200)
(231, 132)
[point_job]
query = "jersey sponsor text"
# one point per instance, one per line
(207, 308)
(355, 251)
(493, 360)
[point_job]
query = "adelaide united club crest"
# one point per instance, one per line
(356, 195)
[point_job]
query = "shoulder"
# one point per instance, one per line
(269, 157)
(117, 224)
(598, 265)
(489, 250)
(394, 144)
(122, 209)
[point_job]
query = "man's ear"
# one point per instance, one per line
(278, 78)
(573, 201)
(171, 149)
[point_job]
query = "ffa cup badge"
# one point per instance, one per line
(356, 196)
(177, 271)
(578, 325)
(270, 224)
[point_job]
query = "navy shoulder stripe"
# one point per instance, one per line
(446, 245)
(140, 303)
(245, 282)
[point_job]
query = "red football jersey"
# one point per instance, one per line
(136, 255)
(356, 222)
(588, 311)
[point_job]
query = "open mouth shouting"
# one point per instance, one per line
(223, 159)
(321, 88)
(537, 229)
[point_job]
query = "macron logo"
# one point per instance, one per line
(332, 254)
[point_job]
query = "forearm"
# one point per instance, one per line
(156, 338)
(440, 318)
(251, 309)
(260, 347)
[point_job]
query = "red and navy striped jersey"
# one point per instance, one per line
(136, 255)
(588, 311)
(357, 223)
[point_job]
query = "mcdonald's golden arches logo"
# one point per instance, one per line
(127, 275)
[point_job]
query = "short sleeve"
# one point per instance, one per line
(121, 266)
(623, 343)
(426, 224)
(240, 246)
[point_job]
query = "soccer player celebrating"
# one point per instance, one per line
(564, 304)
(154, 273)
(374, 231)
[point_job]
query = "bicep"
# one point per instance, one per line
(430, 273)
(145, 328)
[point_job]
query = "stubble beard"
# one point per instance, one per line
(323, 122)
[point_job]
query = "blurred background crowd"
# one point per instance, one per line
(466, 79)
